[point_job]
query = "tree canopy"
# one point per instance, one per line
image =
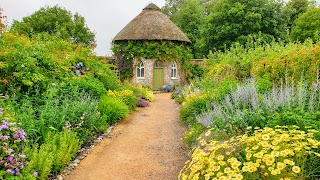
(190, 19)
(234, 21)
(56, 21)
(218, 24)
(307, 25)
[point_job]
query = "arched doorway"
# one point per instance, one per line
(157, 75)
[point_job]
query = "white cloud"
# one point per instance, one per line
(105, 17)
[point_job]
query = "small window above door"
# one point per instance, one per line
(158, 64)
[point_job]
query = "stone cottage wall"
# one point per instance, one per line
(167, 75)
(148, 74)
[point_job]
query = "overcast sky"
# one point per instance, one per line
(105, 17)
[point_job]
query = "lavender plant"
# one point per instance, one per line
(244, 107)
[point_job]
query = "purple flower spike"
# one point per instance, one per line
(35, 174)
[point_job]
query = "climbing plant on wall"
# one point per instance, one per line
(127, 51)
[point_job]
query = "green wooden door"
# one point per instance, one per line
(157, 75)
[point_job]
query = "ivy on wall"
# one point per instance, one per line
(127, 51)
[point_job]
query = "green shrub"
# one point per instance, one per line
(64, 146)
(147, 94)
(194, 105)
(139, 91)
(55, 154)
(192, 134)
(103, 72)
(126, 96)
(89, 84)
(41, 161)
(53, 110)
(112, 109)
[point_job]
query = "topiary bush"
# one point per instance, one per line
(112, 109)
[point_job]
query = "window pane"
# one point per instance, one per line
(142, 72)
(138, 72)
(158, 64)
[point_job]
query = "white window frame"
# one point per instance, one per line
(174, 70)
(140, 70)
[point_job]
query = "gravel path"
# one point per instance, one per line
(146, 145)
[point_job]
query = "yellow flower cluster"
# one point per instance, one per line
(193, 97)
(119, 94)
(266, 154)
(148, 95)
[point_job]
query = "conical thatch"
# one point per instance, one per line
(151, 24)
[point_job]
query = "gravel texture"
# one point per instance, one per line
(146, 145)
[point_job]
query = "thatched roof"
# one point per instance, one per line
(151, 24)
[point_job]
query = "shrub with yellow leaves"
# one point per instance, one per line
(280, 153)
(125, 96)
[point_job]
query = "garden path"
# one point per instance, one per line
(146, 145)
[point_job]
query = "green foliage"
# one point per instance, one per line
(56, 21)
(194, 105)
(192, 134)
(307, 25)
(294, 8)
(52, 156)
(41, 161)
(147, 94)
(126, 96)
(112, 109)
(190, 19)
(233, 21)
(172, 6)
(163, 50)
(64, 146)
(275, 63)
(26, 65)
(102, 71)
(231, 108)
(245, 107)
(89, 84)
(38, 116)
(33, 65)
(195, 72)
(140, 91)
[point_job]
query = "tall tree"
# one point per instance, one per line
(294, 8)
(172, 6)
(307, 25)
(236, 21)
(56, 21)
(190, 18)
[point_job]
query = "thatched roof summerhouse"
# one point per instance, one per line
(157, 70)
(151, 24)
